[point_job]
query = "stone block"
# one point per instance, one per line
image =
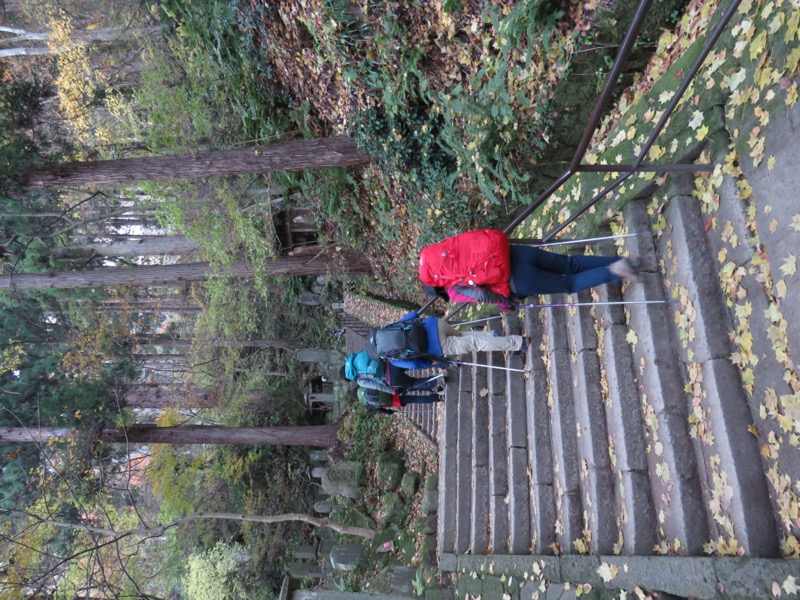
(342, 479)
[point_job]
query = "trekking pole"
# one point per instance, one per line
(586, 240)
(414, 388)
(477, 321)
(621, 302)
(469, 364)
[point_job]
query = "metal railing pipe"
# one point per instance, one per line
(605, 96)
(602, 102)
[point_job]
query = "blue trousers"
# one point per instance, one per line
(428, 399)
(536, 271)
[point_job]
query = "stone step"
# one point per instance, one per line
(463, 461)
(761, 340)
(635, 514)
(672, 464)
(566, 461)
(540, 455)
(630, 431)
(479, 518)
(597, 482)
(519, 484)
(448, 477)
(498, 454)
(728, 454)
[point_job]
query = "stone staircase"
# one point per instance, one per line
(651, 430)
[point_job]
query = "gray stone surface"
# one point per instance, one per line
(673, 472)
(687, 254)
(519, 502)
(641, 247)
(464, 465)
(773, 192)
(389, 471)
(582, 323)
(342, 479)
(739, 458)
(323, 506)
(543, 518)
(635, 501)
(564, 435)
(318, 456)
(448, 477)
(626, 435)
(516, 406)
(345, 557)
(479, 518)
(409, 484)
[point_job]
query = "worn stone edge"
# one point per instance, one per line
(700, 577)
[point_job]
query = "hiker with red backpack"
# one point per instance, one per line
(385, 402)
(482, 266)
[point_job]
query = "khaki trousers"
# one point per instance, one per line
(456, 343)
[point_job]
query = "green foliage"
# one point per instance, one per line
(210, 33)
(366, 434)
(178, 477)
(20, 103)
(216, 573)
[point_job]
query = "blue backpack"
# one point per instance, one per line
(359, 363)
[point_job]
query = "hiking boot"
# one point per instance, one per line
(624, 270)
(439, 389)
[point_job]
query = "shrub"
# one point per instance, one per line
(216, 573)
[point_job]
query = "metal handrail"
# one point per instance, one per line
(627, 170)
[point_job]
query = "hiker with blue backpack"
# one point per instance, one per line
(382, 376)
(415, 343)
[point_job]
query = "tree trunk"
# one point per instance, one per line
(168, 245)
(165, 396)
(338, 151)
(168, 342)
(171, 274)
(320, 436)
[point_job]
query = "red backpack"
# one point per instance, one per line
(480, 257)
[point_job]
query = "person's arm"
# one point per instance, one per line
(412, 363)
(374, 383)
(412, 315)
(463, 293)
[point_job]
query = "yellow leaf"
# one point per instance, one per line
(607, 572)
(697, 119)
(789, 266)
(780, 289)
(795, 224)
(790, 585)
(702, 133)
(631, 337)
(757, 45)
(771, 163)
(776, 589)
(753, 429)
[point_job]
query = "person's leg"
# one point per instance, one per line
(536, 271)
(480, 341)
(428, 399)
(397, 377)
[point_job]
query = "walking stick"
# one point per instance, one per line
(469, 364)
(414, 387)
(616, 302)
(581, 241)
